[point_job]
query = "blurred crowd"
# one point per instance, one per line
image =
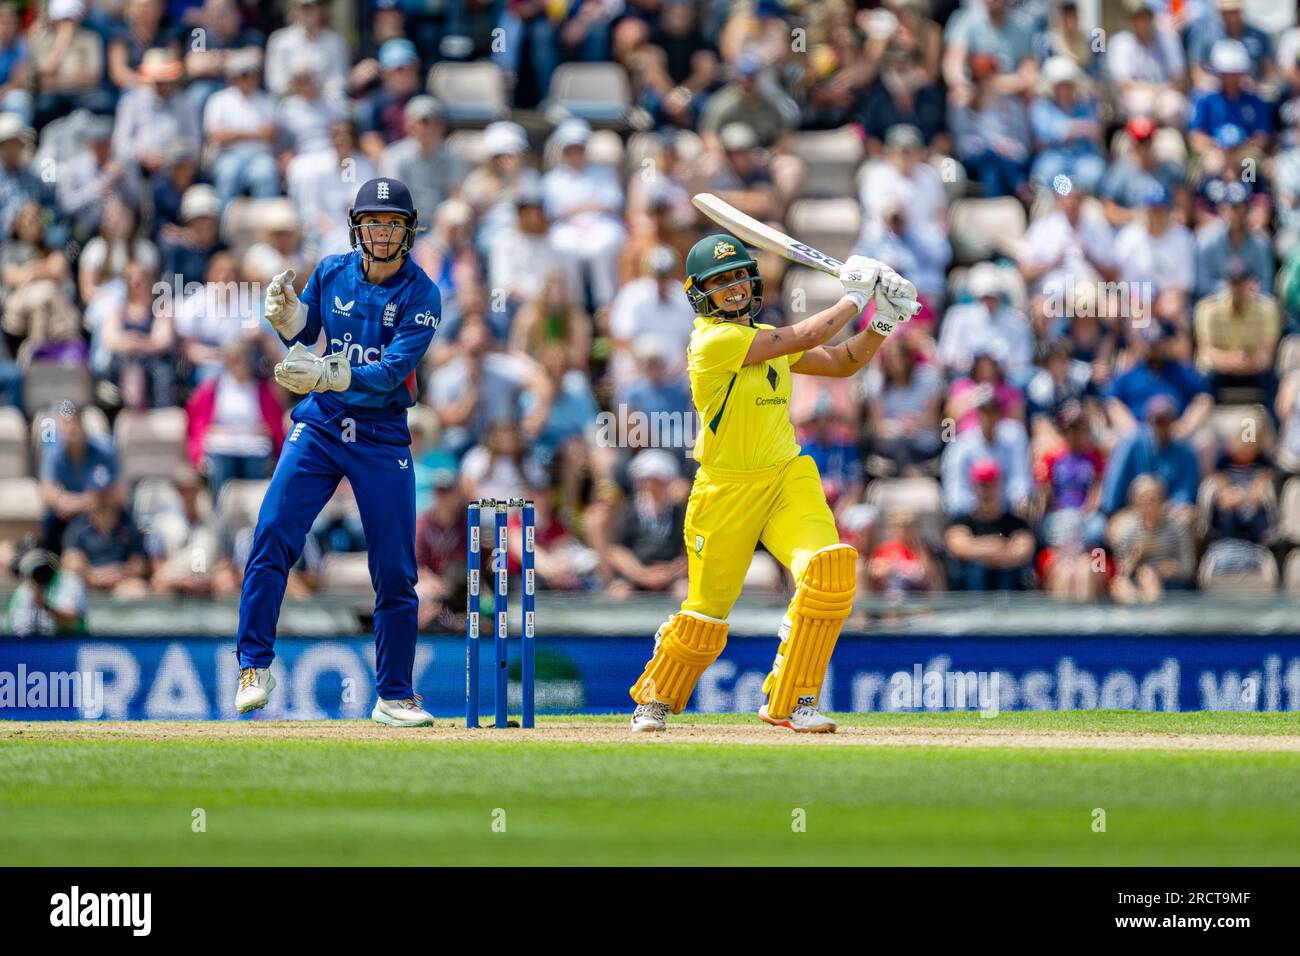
(1101, 396)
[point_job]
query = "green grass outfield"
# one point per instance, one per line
(889, 789)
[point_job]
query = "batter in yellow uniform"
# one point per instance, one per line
(753, 485)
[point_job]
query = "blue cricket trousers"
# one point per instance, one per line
(314, 459)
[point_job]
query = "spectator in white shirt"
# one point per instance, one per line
(212, 316)
(240, 122)
(422, 159)
(493, 189)
(323, 184)
(653, 301)
(1157, 257)
(584, 202)
(307, 34)
(921, 253)
(528, 241)
(902, 171)
(1147, 67)
(986, 321)
(92, 175)
(154, 118)
(305, 114)
(479, 386)
(1002, 439)
(1064, 248)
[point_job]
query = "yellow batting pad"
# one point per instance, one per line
(820, 605)
(684, 648)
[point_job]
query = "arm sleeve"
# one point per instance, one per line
(414, 333)
(311, 299)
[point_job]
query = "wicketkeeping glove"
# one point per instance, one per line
(302, 371)
(282, 308)
(335, 373)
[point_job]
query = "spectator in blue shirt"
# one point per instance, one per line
(1154, 373)
(1152, 450)
(14, 97)
(1233, 102)
(1234, 239)
(1132, 178)
(71, 474)
(833, 446)
(1066, 128)
(105, 549)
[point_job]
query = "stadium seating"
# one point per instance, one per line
(829, 225)
(596, 92)
(831, 159)
(346, 574)
(807, 291)
(14, 454)
(1234, 567)
(472, 94)
(21, 508)
(150, 443)
(47, 383)
(978, 228)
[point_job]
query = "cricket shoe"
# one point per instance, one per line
(650, 717)
(255, 686)
(804, 719)
(402, 713)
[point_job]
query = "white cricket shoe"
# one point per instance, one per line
(804, 719)
(651, 717)
(255, 686)
(402, 713)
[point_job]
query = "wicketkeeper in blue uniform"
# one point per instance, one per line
(378, 311)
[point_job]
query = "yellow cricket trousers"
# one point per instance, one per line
(729, 512)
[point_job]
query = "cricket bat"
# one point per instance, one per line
(763, 236)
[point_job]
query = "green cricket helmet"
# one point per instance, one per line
(715, 254)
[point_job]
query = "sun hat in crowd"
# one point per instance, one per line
(11, 127)
(199, 200)
(984, 279)
(504, 138)
(572, 132)
(423, 107)
(653, 463)
(240, 62)
(1229, 56)
(65, 10)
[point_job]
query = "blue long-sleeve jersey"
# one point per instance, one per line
(384, 329)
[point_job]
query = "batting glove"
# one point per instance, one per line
(892, 311)
(287, 315)
(859, 277)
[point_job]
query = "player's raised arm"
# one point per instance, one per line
(289, 315)
(861, 278)
(850, 357)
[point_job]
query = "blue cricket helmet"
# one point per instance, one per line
(384, 195)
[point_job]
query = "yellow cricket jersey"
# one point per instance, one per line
(744, 409)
